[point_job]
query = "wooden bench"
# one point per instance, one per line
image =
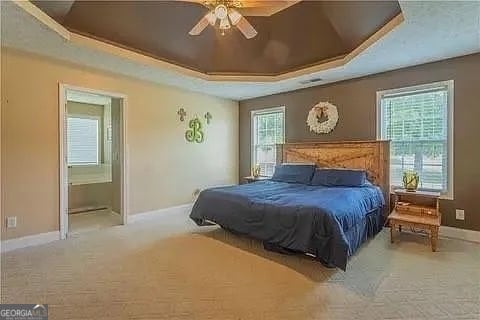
(416, 210)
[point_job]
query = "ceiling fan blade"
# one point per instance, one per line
(208, 19)
(211, 18)
(199, 27)
(246, 28)
(234, 16)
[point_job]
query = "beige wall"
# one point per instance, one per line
(90, 195)
(3, 222)
(163, 169)
(356, 101)
(116, 196)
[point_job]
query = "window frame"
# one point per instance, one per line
(449, 85)
(99, 139)
(253, 131)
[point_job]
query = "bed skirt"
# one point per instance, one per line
(357, 235)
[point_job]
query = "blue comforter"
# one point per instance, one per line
(328, 222)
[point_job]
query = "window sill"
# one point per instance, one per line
(91, 165)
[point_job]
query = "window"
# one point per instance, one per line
(83, 135)
(419, 122)
(268, 130)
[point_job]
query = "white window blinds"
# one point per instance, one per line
(267, 131)
(83, 140)
(417, 121)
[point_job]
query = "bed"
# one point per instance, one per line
(329, 223)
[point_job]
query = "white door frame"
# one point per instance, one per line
(63, 181)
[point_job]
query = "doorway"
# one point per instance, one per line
(92, 157)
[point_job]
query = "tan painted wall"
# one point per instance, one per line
(3, 222)
(116, 194)
(163, 169)
(356, 101)
(90, 195)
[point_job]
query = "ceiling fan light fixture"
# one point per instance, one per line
(224, 11)
(234, 16)
(221, 11)
(224, 24)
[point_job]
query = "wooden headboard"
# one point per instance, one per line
(371, 156)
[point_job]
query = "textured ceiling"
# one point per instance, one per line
(431, 31)
(286, 41)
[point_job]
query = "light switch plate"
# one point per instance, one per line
(11, 222)
(460, 214)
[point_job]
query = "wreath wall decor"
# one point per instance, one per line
(322, 118)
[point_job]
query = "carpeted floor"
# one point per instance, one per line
(93, 220)
(171, 269)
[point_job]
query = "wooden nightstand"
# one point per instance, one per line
(251, 179)
(416, 210)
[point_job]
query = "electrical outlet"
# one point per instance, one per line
(11, 222)
(460, 214)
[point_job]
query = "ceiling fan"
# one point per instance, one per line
(224, 11)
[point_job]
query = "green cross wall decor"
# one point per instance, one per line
(181, 112)
(208, 117)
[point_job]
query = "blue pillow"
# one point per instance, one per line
(339, 178)
(294, 173)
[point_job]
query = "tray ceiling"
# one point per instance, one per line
(422, 37)
(299, 36)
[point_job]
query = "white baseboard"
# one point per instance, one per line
(33, 240)
(457, 233)
(182, 209)
(41, 238)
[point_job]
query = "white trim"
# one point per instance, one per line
(253, 129)
(43, 238)
(450, 85)
(94, 91)
(462, 234)
(63, 161)
(28, 241)
(44, 18)
(160, 213)
(63, 170)
(90, 98)
(124, 163)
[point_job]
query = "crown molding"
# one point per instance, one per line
(78, 39)
(44, 18)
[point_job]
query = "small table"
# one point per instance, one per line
(419, 209)
(251, 179)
